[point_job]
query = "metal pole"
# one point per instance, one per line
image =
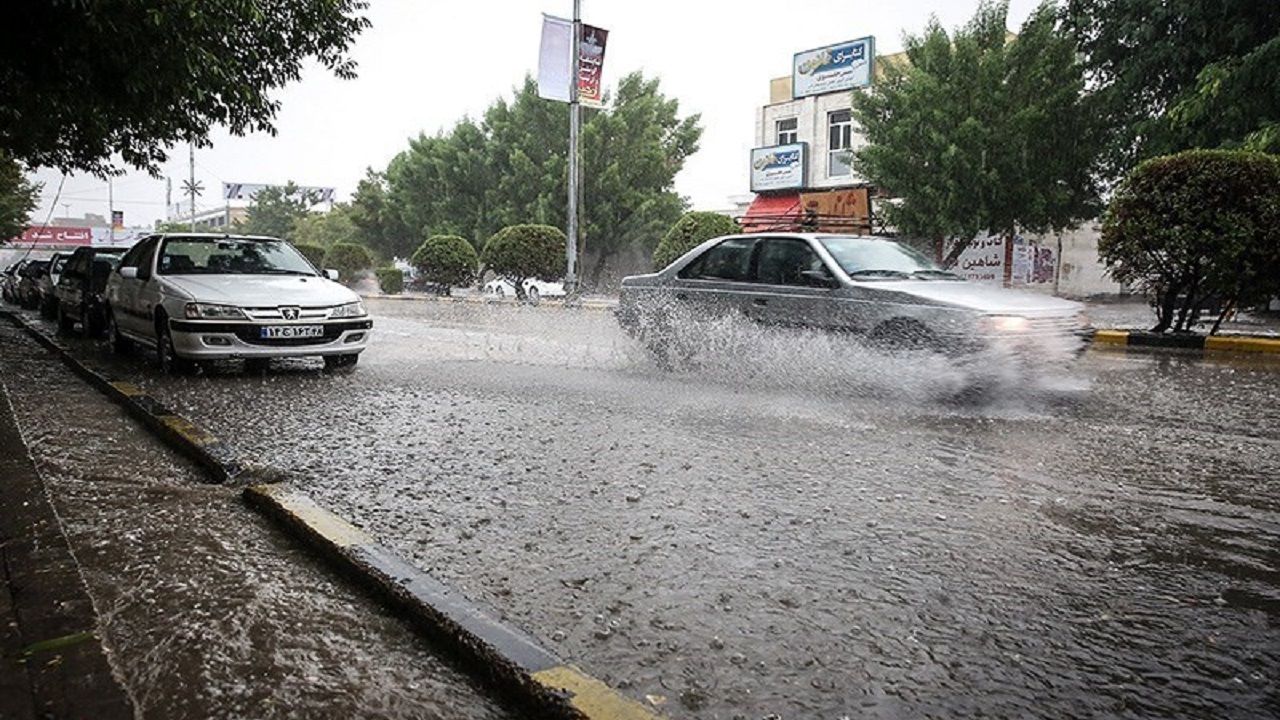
(111, 210)
(575, 120)
(191, 167)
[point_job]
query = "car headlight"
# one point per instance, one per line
(1006, 323)
(354, 309)
(206, 311)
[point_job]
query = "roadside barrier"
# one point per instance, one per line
(1208, 343)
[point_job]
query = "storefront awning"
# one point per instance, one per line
(772, 212)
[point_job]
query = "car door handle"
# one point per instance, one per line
(759, 302)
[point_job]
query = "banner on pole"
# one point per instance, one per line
(117, 219)
(591, 66)
(246, 191)
(555, 62)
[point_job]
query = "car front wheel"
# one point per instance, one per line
(119, 343)
(171, 363)
(65, 324)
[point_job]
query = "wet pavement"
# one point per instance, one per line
(798, 527)
(207, 611)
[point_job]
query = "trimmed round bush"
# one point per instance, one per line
(313, 253)
(349, 259)
(446, 260)
(690, 231)
(518, 252)
(1197, 229)
(390, 279)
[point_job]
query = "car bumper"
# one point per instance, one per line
(202, 340)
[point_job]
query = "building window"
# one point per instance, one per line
(839, 143)
(787, 131)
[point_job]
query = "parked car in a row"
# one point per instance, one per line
(873, 288)
(80, 295)
(534, 289)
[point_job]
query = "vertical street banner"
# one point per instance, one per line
(117, 219)
(555, 62)
(591, 66)
(555, 65)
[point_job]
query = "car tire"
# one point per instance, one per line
(65, 324)
(171, 363)
(256, 366)
(340, 362)
(534, 297)
(119, 343)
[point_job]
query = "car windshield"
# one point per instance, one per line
(231, 256)
(870, 258)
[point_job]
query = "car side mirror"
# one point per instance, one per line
(818, 278)
(331, 274)
(129, 273)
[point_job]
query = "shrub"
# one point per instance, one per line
(1195, 228)
(520, 252)
(349, 259)
(390, 279)
(314, 253)
(690, 231)
(446, 260)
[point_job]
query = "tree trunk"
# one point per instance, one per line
(597, 269)
(1164, 309)
(1227, 307)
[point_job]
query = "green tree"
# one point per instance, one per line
(390, 280)
(275, 210)
(348, 259)
(17, 198)
(1197, 226)
(1170, 75)
(325, 228)
(520, 252)
(690, 231)
(446, 260)
(378, 225)
(980, 131)
(82, 81)
(511, 168)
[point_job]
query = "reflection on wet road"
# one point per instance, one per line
(802, 528)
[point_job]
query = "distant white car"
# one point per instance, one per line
(534, 289)
(208, 297)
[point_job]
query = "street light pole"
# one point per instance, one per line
(575, 121)
(191, 168)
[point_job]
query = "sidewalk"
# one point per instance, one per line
(1131, 314)
(54, 663)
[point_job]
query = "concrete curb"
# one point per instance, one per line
(1206, 343)
(211, 454)
(512, 660)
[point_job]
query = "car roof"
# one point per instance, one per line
(815, 236)
(216, 236)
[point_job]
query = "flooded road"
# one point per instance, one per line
(205, 609)
(799, 529)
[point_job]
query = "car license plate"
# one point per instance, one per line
(292, 331)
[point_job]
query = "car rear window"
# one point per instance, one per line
(730, 260)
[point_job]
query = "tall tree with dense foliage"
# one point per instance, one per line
(17, 198)
(981, 131)
(377, 224)
(325, 229)
(82, 81)
(1170, 75)
(511, 168)
(1197, 226)
(275, 210)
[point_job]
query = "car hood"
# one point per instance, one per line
(979, 297)
(261, 290)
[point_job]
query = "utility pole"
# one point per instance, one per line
(191, 182)
(575, 121)
(111, 210)
(168, 198)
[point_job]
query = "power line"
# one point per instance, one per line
(47, 218)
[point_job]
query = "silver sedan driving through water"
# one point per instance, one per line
(871, 287)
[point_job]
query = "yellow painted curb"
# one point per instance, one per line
(303, 510)
(187, 430)
(1242, 344)
(128, 389)
(1111, 337)
(589, 696)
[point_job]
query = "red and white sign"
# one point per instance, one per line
(55, 236)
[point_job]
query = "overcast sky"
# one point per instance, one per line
(423, 65)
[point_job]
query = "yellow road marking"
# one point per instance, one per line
(324, 523)
(591, 697)
(1113, 337)
(129, 389)
(1242, 344)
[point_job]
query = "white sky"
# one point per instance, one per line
(424, 65)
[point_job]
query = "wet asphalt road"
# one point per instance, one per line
(798, 527)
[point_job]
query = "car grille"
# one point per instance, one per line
(250, 333)
(1056, 325)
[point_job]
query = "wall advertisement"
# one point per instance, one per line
(833, 68)
(779, 167)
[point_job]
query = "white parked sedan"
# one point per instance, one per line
(534, 289)
(208, 297)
